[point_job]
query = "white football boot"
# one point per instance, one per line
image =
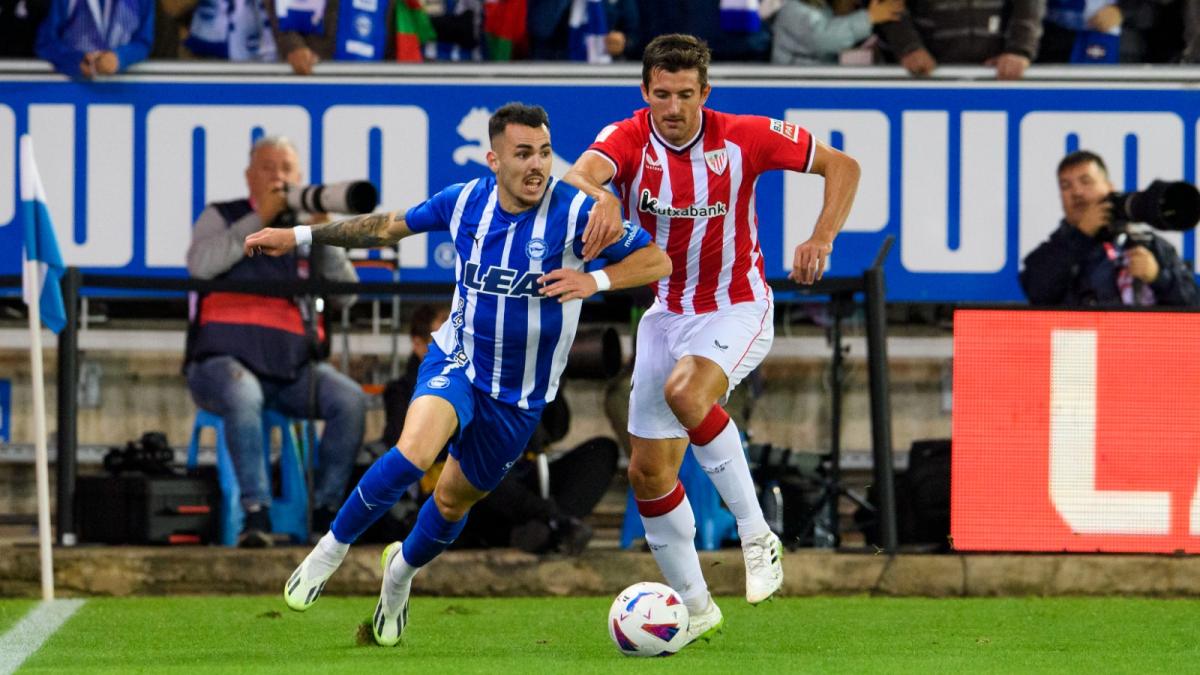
(306, 583)
(764, 566)
(705, 625)
(391, 614)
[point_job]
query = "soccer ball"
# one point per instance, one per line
(648, 619)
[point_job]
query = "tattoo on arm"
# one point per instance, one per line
(366, 231)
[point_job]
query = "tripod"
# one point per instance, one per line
(822, 523)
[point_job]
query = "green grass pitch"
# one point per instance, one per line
(536, 635)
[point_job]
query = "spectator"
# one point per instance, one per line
(549, 23)
(1080, 32)
(232, 31)
(85, 39)
(702, 18)
(249, 352)
(1088, 261)
(307, 33)
(808, 32)
(171, 18)
(624, 30)
(1000, 33)
(1160, 31)
(19, 21)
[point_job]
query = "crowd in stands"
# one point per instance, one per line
(85, 38)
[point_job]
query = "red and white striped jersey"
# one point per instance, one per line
(697, 201)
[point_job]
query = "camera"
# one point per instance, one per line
(355, 196)
(1164, 206)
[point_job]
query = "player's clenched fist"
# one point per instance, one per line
(271, 241)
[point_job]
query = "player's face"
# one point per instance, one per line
(521, 158)
(675, 100)
(270, 167)
(1080, 186)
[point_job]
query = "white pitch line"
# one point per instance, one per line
(25, 638)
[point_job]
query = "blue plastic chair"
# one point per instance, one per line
(289, 508)
(714, 522)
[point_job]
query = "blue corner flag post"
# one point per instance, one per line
(40, 284)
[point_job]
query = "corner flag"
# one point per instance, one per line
(40, 244)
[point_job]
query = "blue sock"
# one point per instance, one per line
(381, 487)
(431, 536)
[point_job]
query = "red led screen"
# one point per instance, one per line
(1076, 431)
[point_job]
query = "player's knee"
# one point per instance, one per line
(651, 479)
(686, 399)
(452, 507)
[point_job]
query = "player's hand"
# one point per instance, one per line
(919, 62)
(566, 284)
(604, 226)
(1009, 66)
(302, 60)
(1142, 263)
(808, 265)
(274, 241)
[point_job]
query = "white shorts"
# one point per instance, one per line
(736, 338)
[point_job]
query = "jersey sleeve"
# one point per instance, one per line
(434, 213)
(776, 144)
(632, 238)
(618, 143)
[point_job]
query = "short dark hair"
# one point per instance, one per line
(517, 113)
(423, 316)
(674, 52)
(1081, 157)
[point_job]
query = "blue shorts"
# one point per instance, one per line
(491, 434)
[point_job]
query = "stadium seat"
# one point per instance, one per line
(714, 522)
(289, 503)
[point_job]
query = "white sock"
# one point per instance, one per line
(328, 554)
(672, 540)
(725, 463)
(400, 572)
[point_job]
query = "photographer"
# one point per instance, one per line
(246, 352)
(1093, 258)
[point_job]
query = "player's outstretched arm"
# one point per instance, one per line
(370, 230)
(590, 174)
(648, 263)
(841, 174)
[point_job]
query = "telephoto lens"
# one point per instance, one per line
(354, 196)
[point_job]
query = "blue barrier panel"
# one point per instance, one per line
(961, 172)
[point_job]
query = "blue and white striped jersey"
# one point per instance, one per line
(512, 341)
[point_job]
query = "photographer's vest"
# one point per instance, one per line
(265, 333)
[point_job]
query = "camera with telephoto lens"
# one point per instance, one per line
(1173, 206)
(354, 196)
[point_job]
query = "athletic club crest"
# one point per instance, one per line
(716, 161)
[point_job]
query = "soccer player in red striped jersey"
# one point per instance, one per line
(686, 174)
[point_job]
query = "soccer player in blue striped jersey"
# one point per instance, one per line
(520, 243)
